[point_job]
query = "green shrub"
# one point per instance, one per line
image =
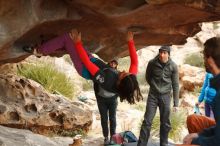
(140, 106)
(215, 25)
(197, 90)
(141, 78)
(65, 133)
(124, 64)
(195, 60)
(178, 120)
(87, 85)
(49, 77)
(68, 59)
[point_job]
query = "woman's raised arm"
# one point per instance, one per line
(76, 37)
(133, 55)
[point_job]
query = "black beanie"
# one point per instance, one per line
(165, 48)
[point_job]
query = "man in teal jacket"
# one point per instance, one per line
(162, 76)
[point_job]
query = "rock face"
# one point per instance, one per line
(103, 23)
(191, 77)
(24, 104)
(191, 80)
(20, 137)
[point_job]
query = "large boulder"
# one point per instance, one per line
(20, 137)
(25, 104)
(103, 23)
(191, 77)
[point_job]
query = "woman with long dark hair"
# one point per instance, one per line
(108, 83)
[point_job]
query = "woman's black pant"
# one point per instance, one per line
(107, 109)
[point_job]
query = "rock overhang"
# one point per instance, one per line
(103, 23)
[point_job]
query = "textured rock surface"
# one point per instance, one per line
(24, 104)
(102, 23)
(191, 77)
(19, 137)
